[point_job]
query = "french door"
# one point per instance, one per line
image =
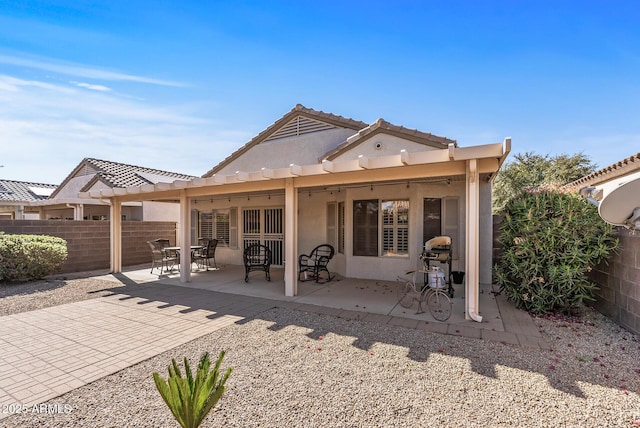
(265, 226)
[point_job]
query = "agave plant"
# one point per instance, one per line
(191, 398)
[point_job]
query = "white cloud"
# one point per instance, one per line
(92, 87)
(46, 130)
(79, 70)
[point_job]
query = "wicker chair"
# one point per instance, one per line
(257, 257)
(208, 253)
(160, 258)
(316, 262)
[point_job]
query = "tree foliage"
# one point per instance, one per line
(550, 240)
(529, 170)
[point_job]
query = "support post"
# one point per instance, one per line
(291, 238)
(185, 237)
(115, 212)
(472, 247)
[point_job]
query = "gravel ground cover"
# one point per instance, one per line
(292, 368)
(29, 296)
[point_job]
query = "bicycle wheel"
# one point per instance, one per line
(439, 305)
(405, 294)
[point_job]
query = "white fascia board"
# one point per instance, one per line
(196, 182)
(314, 169)
(346, 166)
(479, 152)
(242, 176)
(267, 172)
(381, 162)
(429, 156)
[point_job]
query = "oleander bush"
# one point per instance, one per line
(551, 239)
(30, 257)
(190, 398)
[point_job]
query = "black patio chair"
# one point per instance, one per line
(207, 253)
(257, 257)
(316, 262)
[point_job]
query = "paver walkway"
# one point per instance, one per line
(48, 352)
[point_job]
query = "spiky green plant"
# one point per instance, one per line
(190, 399)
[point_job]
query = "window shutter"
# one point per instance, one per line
(331, 224)
(341, 227)
(233, 227)
(450, 224)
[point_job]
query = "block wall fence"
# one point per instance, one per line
(88, 241)
(618, 294)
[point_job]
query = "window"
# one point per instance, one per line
(395, 228)
(365, 228)
(220, 225)
(440, 217)
(372, 216)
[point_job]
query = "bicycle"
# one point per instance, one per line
(433, 294)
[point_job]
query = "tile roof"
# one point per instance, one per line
(23, 191)
(618, 169)
(115, 174)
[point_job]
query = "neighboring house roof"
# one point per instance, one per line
(23, 191)
(302, 120)
(114, 174)
(616, 170)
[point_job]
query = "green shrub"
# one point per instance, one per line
(550, 241)
(190, 399)
(29, 257)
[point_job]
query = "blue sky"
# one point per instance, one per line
(178, 85)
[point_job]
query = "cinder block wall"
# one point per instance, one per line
(619, 280)
(88, 241)
(618, 296)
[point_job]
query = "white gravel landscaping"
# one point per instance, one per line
(297, 369)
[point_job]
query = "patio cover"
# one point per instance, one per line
(471, 162)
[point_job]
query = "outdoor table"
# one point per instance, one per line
(176, 250)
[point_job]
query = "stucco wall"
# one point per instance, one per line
(160, 211)
(312, 225)
(88, 241)
(382, 145)
(280, 153)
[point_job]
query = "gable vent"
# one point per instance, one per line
(300, 125)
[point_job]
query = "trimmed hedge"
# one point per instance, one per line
(30, 257)
(551, 240)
